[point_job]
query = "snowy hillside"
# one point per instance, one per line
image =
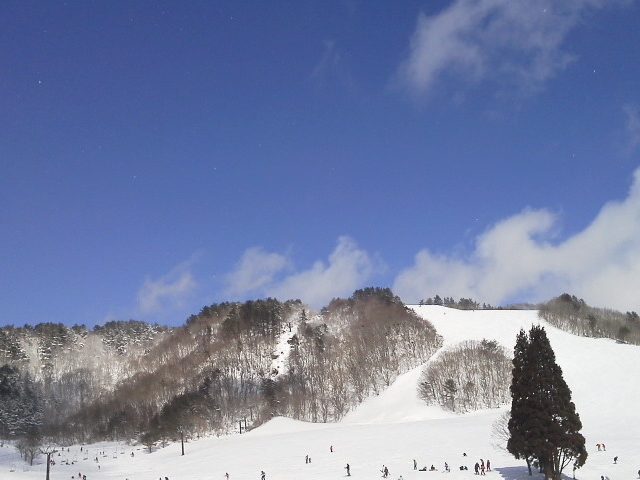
(395, 427)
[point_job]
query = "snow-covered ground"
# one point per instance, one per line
(395, 427)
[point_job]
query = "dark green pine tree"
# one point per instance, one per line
(520, 427)
(563, 444)
(544, 424)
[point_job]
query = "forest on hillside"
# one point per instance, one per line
(138, 382)
(573, 315)
(234, 365)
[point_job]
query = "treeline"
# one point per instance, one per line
(462, 304)
(203, 378)
(224, 369)
(573, 315)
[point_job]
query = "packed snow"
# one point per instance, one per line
(394, 428)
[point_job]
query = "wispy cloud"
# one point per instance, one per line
(348, 268)
(333, 69)
(167, 292)
(632, 129)
(514, 42)
(518, 259)
(255, 270)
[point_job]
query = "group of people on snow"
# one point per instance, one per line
(480, 468)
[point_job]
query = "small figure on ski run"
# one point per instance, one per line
(446, 467)
(306, 459)
(262, 475)
(476, 467)
(227, 475)
(331, 448)
(348, 469)
(615, 460)
(415, 464)
(385, 471)
(598, 445)
(488, 466)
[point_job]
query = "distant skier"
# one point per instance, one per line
(348, 469)
(262, 475)
(415, 464)
(615, 460)
(488, 466)
(476, 468)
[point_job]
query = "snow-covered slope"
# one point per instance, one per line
(395, 428)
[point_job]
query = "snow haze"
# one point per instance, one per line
(395, 427)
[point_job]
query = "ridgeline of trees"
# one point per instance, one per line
(462, 304)
(573, 315)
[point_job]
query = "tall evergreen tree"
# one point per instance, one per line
(544, 424)
(521, 420)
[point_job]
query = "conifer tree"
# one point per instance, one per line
(544, 424)
(520, 421)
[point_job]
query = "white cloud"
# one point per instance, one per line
(517, 42)
(347, 269)
(255, 270)
(516, 259)
(166, 292)
(632, 129)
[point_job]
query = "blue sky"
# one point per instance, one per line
(157, 157)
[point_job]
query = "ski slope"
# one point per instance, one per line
(395, 427)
